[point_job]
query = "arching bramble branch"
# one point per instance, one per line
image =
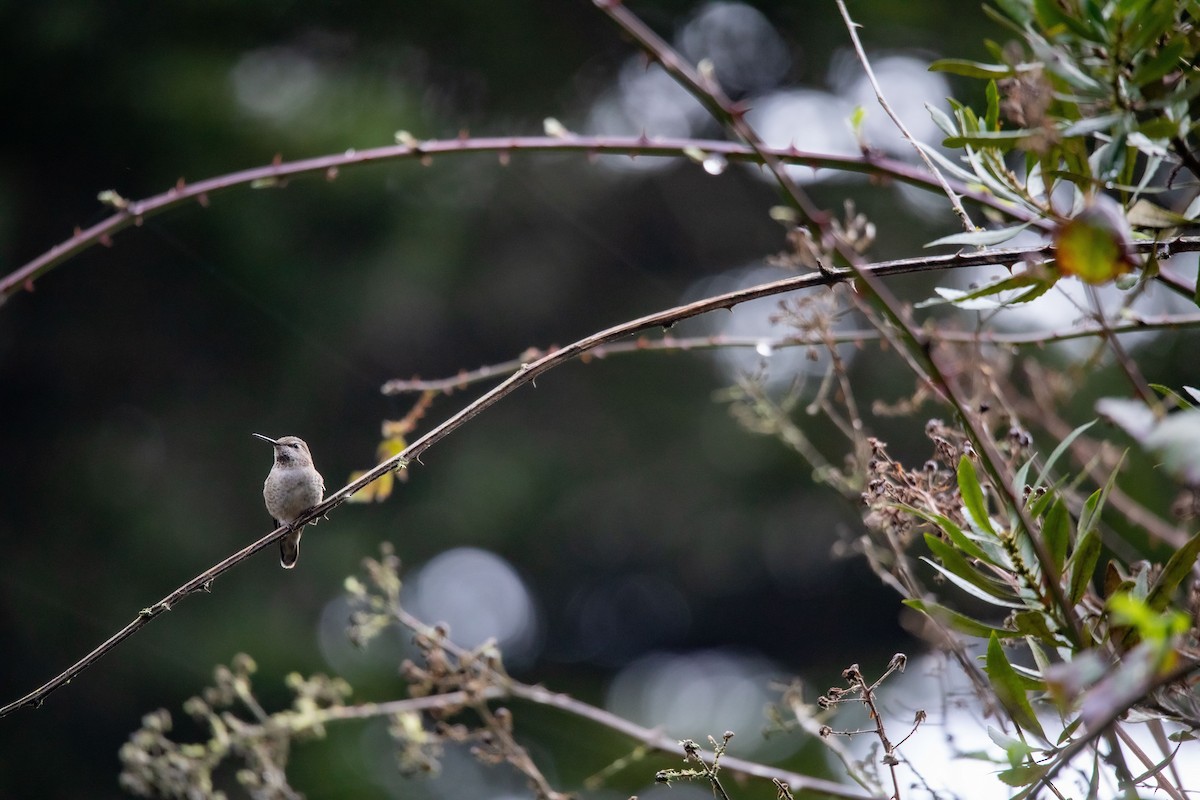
(129, 213)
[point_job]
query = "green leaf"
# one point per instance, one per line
(857, 118)
(1003, 140)
(1167, 391)
(982, 238)
(972, 496)
(971, 588)
(1056, 531)
(1033, 623)
(1146, 22)
(1010, 689)
(1089, 518)
(1090, 125)
(1057, 452)
(1083, 564)
(1159, 64)
(948, 526)
(1022, 775)
(976, 299)
(1145, 214)
(954, 561)
(1017, 10)
(1015, 750)
(972, 69)
(992, 118)
(942, 120)
(959, 622)
(1178, 568)
(1159, 128)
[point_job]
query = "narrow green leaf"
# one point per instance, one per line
(1090, 125)
(1057, 452)
(1009, 689)
(972, 496)
(1017, 10)
(946, 164)
(981, 297)
(1167, 391)
(1003, 140)
(1014, 749)
(1089, 518)
(952, 530)
(1178, 568)
(1148, 22)
(1159, 128)
(1023, 775)
(959, 622)
(1145, 214)
(982, 238)
(1056, 531)
(971, 588)
(1083, 564)
(941, 119)
(954, 561)
(1159, 64)
(992, 118)
(1033, 623)
(971, 69)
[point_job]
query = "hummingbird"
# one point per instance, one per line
(293, 486)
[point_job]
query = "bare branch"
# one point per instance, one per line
(685, 344)
(852, 29)
(133, 212)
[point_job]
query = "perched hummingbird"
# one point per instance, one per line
(292, 487)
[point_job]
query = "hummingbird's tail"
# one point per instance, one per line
(289, 549)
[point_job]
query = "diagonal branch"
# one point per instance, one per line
(527, 374)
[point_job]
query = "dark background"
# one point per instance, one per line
(132, 376)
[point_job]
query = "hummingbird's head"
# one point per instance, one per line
(290, 451)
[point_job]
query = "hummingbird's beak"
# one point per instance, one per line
(264, 438)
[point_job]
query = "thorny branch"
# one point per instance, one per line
(129, 212)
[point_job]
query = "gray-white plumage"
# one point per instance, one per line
(292, 487)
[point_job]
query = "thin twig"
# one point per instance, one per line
(1153, 770)
(653, 738)
(670, 343)
(852, 29)
(1124, 362)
